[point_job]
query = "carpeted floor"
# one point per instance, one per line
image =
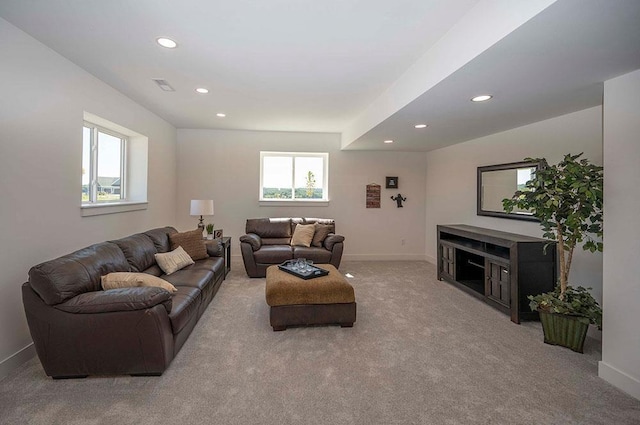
(421, 352)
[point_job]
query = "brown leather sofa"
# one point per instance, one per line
(78, 329)
(268, 241)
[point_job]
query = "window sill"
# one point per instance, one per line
(88, 210)
(293, 203)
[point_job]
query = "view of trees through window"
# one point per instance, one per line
(293, 176)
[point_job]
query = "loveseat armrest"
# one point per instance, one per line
(331, 240)
(121, 299)
(252, 239)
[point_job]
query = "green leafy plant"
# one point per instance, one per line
(567, 199)
(574, 302)
(210, 228)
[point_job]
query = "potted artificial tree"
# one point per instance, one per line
(567, 199)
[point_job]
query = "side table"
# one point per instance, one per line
(226, 250)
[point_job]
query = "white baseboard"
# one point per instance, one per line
(384, 257)
(619, 379)
(237, 259)
(12, 362)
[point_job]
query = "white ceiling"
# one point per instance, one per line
(326, 66)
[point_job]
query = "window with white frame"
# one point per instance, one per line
(294, 176)
(103, 165)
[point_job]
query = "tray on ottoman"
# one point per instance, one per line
(310, 273)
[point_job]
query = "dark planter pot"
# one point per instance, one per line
(564, 330)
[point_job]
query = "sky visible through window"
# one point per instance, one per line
(108, 155)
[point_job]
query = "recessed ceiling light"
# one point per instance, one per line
(481, 98)
(166, 42)
(221, 115)
(202, 90)
(388, 141)
(421, 126)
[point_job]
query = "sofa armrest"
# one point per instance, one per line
(253, 240)
(214, 248)
(331, 240)
(121, 299)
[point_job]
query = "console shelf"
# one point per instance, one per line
(497, 267)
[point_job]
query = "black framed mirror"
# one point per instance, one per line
(497, 182)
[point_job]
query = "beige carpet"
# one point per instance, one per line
(421, 352)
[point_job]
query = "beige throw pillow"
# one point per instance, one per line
(303, 235)
(322, 230)
(171, 262)
(191, 242)
(127, 280)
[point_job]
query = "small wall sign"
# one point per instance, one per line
(392, 182)
(373, 195)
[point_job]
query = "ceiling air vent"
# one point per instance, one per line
(163, 84)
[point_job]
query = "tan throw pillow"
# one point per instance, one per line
(322, 230)
(127, 280)
(171, 262)
(303, 235)
(191, 242)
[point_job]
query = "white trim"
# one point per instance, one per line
(88, 210)
(619, 379)
(14, 361)
(384, 257)
(292, 203)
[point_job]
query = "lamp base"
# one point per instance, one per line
(201, 224)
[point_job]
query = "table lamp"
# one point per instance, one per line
(200, 207)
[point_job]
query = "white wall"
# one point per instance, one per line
(224, 166)
(41, 112)
(451, 179)
(620, 363)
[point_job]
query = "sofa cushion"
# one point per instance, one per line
(73, 274)
(273, 254)
(191, 242)
(303, 235)
(269, 227)
(318, 255)
(195, 278)
(321, 232)
(171, 262)
(185, 307)
(160, 238)
(121, 299)
(138, 250)
(128, 280)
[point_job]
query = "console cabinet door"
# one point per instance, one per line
(498, 286)
(447, 260)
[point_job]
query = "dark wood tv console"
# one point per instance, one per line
(500, 268)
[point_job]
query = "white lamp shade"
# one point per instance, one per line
(201, 207)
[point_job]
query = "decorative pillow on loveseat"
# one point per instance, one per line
(322, 231)
(303, 235)
(171, 262)
(191, 242)
(126, 280)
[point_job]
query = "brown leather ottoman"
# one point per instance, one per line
(326, 300)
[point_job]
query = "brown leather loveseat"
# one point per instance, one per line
(79, 329)
(268, 242)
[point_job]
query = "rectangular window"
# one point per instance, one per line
(103, 165)
(292, 176)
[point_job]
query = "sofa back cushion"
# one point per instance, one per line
(138, 250)
(270, 228)
(73, 274)
(160, 238)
